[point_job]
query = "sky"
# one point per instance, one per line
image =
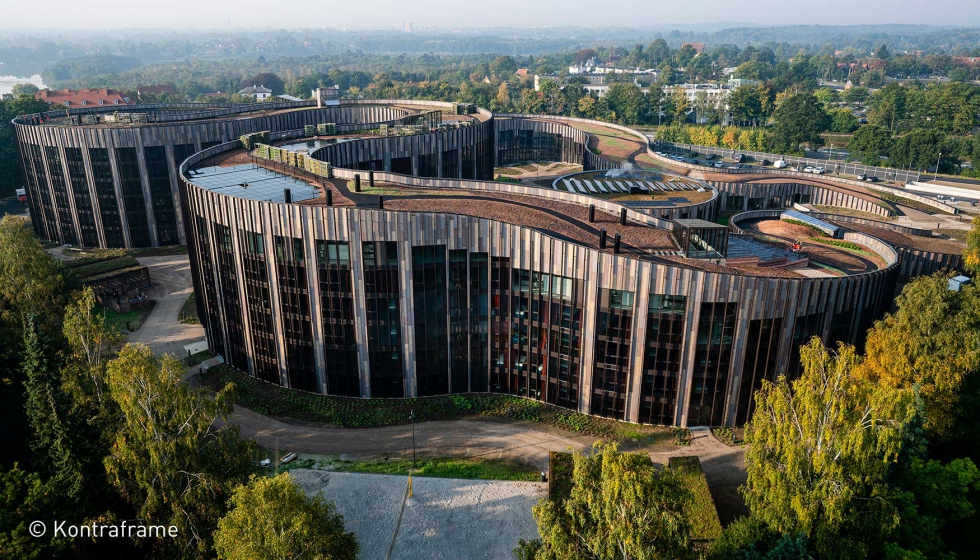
(373, 14)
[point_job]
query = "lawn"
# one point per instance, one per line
(700, 509)
(957, 234)
(134, 318)
(278, 402)
(849, 212)
(188, 312)
(450, 467)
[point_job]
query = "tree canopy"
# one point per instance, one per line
(274, 519)
(799, 120)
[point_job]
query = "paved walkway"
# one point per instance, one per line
(445, 518)
(172, 285)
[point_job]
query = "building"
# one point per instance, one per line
(653, 314)
(698, 47)
(156, 90)
(72, 98)
(260, 93)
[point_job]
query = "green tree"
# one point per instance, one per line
(971, 255)
(843, 120)
(819, 454)
(26, 89)
(10, 108)
(745, 104)
(869, 143)
(586, 107)
(170, 459)
(273, 519)
(45, 411)
(503, 65)
(24, 498)
(32, 282)
(619, 507)
(799, 121)
(856, 94)
(931, 341)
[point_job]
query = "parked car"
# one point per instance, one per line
(872, 179)
(780, 164)
(808, 169)
(709, 157)
(719, 164)
(766, 162)
(692, 154)
(22, 195)
(819, 170)
(862, 177)
(738, 158)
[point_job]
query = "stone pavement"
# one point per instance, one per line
(445, 519)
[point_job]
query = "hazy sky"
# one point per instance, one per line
(191, 14)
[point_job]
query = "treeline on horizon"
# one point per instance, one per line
(30, 53)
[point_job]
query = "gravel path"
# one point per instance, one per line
(172, 285)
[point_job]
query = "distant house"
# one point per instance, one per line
(522, 72)
(258, 92)
(156, 90)
(74, 98)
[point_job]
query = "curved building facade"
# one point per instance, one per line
(479, 286)
(435, 280)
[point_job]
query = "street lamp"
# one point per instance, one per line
(411, 417)
(936, 176)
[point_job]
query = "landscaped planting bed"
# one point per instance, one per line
(276, 401)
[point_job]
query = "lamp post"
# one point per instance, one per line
(411, 417)
(936, 176)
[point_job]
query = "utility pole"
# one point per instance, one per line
(936, 176)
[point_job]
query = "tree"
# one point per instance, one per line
(272, 518)
(266, 79)
(843, 120)
(971, 256)
(745, 104)
(799, 120)
(25, 89)
(869, 143)
(931, 341)
(586, 107)
(11, 107)
(503, 65)
(31, 280)
(45, 411)
(819, 454)
(619, 507)
(25, 497)
(175, 465)
(856, 94)
(503, 96)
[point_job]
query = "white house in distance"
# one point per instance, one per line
(260, 93)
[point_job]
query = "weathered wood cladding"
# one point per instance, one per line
(840, 307)
(571, 148)
(465, 152)
(179, 139)
(761, 196)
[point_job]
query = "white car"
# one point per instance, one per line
(808, 169)
(819, 170)
(719, 164)
(779, 164)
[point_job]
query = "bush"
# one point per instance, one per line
(838, 243)
(817, 231)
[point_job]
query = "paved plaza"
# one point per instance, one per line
(446, 518)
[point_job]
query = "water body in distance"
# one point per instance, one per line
(7, 83)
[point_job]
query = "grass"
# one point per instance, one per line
(158, 251)
(449, 467)
(846, 245)
(700, 509)
(195, 359)
(188, 312)
(911, 203)
(730, 436)
(276, 401)
(118, 321)
(850, 212)
(816, 231)
(507, 171)
(101, 267)
(957, 234)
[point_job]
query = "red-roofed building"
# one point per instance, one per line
(698, 47)
(74, 98)
(969, 60)
(522, 71)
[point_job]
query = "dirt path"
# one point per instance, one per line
(162, 332)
